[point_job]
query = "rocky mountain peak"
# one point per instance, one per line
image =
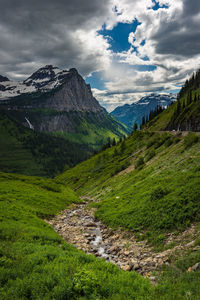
(3, 78)
(67, 90)
(46, 75)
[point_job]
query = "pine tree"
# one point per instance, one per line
(135, 127)
(113, 142)
(143, 120)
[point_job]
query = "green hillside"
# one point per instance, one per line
(27, 152)
(35, 263)
(91, 130)
(184, 114)
(153, 194)
(148, 184)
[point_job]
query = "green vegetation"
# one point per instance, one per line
(175, 282)
(190, 140)
(35, 263)
(162, 195)
(147, 183)
(92, 131)
(184, 114)
(85, 128)
(27, 152)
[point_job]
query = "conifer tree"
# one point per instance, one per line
(135, 127)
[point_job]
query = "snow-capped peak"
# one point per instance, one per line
(44, 79)
(45, 76)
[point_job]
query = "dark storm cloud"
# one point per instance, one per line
(180, 37)
(35, 32)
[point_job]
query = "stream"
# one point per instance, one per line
(79, 227)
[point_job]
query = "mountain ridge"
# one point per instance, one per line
(131, 113)
(60, 102)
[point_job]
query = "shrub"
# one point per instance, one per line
(139, 163)
(157, 140)
(177, 140)
(86, 283)
(150, 154)
(158, 193)
(168, 142)
(120, 168)
(190, 140)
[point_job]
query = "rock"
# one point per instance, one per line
(114, 249)
(136, 266)
(190, 244)
(194, 268)
(57, 227)
(90, 224)
(127, 253)
(127, 267)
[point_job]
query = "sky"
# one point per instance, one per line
(125, 49)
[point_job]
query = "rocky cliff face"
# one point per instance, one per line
(63, 90)
(52, 100)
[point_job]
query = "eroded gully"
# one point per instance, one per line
(78, 226)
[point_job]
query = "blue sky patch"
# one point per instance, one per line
(158, 6)
(145, 68)
(119, 35)
(96, 81)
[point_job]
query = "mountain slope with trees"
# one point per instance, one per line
(183, 115)
(135, 112)
(25, 151)
(59, 102)
(149, 185)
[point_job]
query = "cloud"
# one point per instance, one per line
(171, 44)
(64, 33)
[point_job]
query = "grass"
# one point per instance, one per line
(187, 118)
(155, 197)
(35, 263)
(91, 130)
(28, 152)
(175, 282)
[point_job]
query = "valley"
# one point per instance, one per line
(122, 223)
(79, 227)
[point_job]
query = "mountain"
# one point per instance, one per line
(130, 113)
(28, 152)
(61, 103)
(139, 214)
(184, 114)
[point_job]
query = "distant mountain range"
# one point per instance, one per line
(61, 103)
(130, 113)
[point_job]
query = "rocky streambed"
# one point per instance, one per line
(79, 227)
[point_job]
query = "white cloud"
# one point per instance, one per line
(172, 45)
(65, 33)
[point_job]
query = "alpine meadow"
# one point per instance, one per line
(100, 150)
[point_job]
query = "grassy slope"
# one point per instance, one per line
(35, 263)
(16, 158)
(158, 196)
(190, 112)
(88, 130)
(95, 135)
(27, 152)
(162, 195)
